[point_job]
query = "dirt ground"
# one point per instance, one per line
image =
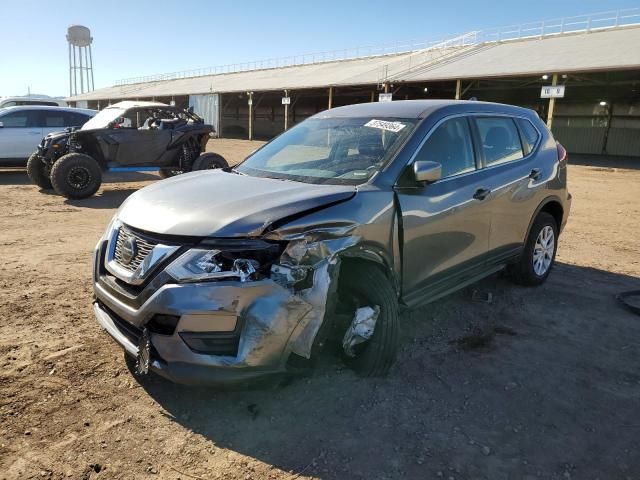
(540, 383)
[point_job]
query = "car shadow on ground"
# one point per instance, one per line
(106, 198)
(521, 382)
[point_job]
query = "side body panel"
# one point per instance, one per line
(445, 229)
(19, 142)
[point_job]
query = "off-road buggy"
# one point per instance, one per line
(130, 135)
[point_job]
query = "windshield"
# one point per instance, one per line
(330, 150)
(103, 118)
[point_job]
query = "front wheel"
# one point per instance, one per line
(209, 160)
(76, 175)
(38, 172)
(539, 253)
(366, 286)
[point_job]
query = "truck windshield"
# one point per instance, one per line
(330, 150)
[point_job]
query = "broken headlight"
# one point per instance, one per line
(200, 265)
(242, 260)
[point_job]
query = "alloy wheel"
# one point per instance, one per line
(543, 251)
(79, 177)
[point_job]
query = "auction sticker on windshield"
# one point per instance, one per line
(394, 127)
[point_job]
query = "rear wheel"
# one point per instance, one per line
(369, 287)
(209, 160)
(539, 253)
(76, 175)
(38, 172)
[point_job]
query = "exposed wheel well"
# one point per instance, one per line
(554, 209)
(348, 263)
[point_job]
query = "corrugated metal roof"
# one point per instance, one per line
(595, 51)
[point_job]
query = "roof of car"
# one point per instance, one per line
(134, 103)
(410, 108)
(48, 107)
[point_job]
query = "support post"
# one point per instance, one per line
(93, 85)
(286, 112)
(605, 141)
(458, 89)
(70, 74)
(86, 64)
(373, 96)
(386, 87)
(250, 101)
(552, 103)
(81, 70)
(330, 98)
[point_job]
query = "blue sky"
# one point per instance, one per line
(133, 38)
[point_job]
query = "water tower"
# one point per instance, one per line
(79, 38)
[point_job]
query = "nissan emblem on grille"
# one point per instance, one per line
(129, 250)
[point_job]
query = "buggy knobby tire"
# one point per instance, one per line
(524, 271)
(38, 172)
(371, 287)
(208, 161)
(76, 176)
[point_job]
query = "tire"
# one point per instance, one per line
(169, 172)
(76, 175)
(209, 160)
(38, 172)
(525, 272)
(370, 287)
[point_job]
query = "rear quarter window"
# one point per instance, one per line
(530, 135)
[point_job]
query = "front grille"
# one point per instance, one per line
(143, 248)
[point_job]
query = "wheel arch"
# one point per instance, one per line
(551, 205)
(91, 147)
(367, 256)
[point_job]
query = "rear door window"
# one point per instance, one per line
(19, 119)
(52, 119)
(500, 140)
(530, 135)
(450, 145)
(73, 119)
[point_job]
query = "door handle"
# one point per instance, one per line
(535, 174)
(481, 193)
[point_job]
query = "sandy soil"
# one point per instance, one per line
(539, 383)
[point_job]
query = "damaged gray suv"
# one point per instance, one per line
(317, 238)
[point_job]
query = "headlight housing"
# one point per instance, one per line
(241, 260)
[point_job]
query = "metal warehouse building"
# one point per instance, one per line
(595, 58)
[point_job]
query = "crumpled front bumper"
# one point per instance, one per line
(272, 321)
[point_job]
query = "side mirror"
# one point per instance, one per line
(190, 109)
(427, 172)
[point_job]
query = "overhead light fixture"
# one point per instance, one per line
(545, 77)
(603, 103)
(565, 76)
(426, 89)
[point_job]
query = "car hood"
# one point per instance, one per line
(220, 204)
